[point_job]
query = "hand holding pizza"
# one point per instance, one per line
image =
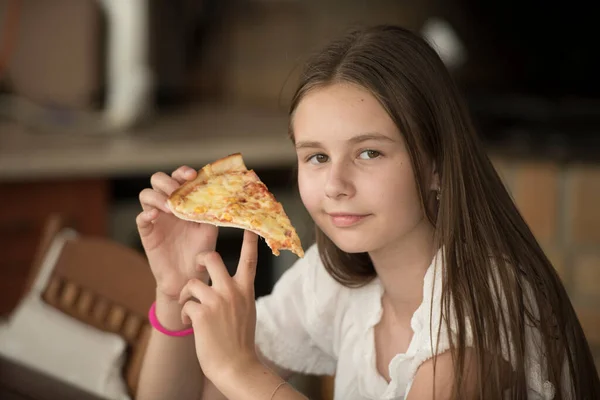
(224, 315)
(171, 244)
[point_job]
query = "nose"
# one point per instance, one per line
(339, 182)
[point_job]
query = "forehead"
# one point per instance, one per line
(339, 112)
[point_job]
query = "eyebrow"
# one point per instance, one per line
(353, 140)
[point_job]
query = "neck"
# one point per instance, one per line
(401, 268)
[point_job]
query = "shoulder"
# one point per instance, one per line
(310, 272)
(295, 326)
(435, 377)
(299, 322)
(308, 282)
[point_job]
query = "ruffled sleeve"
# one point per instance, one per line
(297, 322)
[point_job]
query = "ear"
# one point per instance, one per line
(434, 179)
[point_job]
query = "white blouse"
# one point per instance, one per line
(312, 324)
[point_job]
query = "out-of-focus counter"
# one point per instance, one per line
(193, 137)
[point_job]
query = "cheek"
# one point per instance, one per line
(403, 199)
(395, 193)
(309, 188)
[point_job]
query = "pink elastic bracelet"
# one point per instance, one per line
(156, 325)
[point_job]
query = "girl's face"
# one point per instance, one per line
(354, 172)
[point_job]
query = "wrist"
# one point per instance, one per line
(168, 312)
(251, 379)
(243, 369)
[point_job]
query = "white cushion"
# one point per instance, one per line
(43, 338)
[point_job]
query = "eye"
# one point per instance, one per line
(369, 154)
(318, 159)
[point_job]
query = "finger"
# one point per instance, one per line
(216, 269)
(211, 234)
(246, 271)
(192, 312)
(183, 174)
(196, 289)
(150, 198)
(163, 183)
(144, 221)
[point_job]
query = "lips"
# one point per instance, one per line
(343, 220)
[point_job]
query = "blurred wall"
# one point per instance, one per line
(560, 204)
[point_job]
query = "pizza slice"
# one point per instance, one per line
(226, 193)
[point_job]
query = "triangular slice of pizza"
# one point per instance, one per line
(226, 193)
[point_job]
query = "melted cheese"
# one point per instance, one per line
(239, 199)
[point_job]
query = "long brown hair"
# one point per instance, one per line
(490, 255)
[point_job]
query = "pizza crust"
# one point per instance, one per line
(233, 162)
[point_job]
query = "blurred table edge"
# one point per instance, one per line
(194, 136)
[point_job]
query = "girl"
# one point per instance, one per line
(424, 282)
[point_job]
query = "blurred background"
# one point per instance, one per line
(96, 95)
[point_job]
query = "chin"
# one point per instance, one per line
(351, 242)
(353, 249)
